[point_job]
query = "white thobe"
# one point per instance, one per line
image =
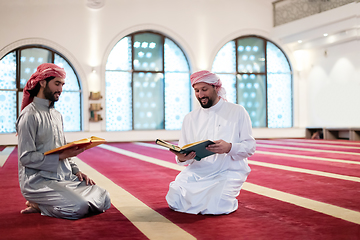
(44, 179)
(211, 185)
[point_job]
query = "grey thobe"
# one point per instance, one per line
(44, 179)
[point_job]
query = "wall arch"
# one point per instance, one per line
(77, 67)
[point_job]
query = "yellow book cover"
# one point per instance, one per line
(82, 143)
(198, 147)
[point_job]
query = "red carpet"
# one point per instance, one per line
(320, 146)
(258, 217)
(328, 190)
(311, 153)
(13, 225)
(150, 185)
(311, 164)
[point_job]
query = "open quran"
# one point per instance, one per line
(198, 147)
(83, 143)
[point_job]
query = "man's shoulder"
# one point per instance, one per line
(193, 112)
(29, 113)
(29, 110)
(233, 106)
(54, 110)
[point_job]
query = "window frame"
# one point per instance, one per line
(265, 73)
(133, 71)
(18, 87)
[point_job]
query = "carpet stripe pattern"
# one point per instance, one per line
(298, 189)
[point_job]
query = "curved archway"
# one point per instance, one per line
(257, 75)
(147, 75)
(16, 68)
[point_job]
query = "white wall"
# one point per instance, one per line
(334, 86)
(86, 36)
(327, 67)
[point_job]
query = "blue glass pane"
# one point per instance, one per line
(71, 81)
(148, 101)
(30, 59)
(279, 100)
(69, 106)
(148, 48)
(8, 71)
(177, 99)
(251, 55)
(225, 60)
(147, 106)
(175, 60)
(229, 83)
(118, 101)
(252, 96)
(7, 111)
(69, 103)
(120, 56)
(276, 60)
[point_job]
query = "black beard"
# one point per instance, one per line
(209, 103)
(49, 95)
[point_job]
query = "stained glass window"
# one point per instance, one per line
(69, 103)
(8, 93)
(257, 75)
(29, 58)
(147, 84)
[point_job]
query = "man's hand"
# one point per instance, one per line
(71, 152)
(84, 177)
(182, 157)
(219, 147)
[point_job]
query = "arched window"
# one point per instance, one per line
(147, 84)
(16, 67)
(257, 75)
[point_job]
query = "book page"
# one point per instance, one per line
(82, 143)
(192, 144)
(168, 145)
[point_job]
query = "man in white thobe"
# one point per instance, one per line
(211, 185)
(53, 185)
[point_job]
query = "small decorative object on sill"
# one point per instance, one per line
(95, 96)
(95, 117)
(95, 107)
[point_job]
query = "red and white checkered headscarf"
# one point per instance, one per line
(209, 78)
(43, 71)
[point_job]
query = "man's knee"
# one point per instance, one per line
(81, 208)
(106, 202)
(75, 210)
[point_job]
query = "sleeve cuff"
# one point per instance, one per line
(232, 150)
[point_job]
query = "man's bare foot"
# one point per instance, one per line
(31, 208)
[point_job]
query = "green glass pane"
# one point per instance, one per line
(252, 96)
(148, 52)
(251, 55)
(30, 59)
(148, 101)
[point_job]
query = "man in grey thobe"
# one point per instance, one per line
(51, 184)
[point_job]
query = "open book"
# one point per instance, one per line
(198, 147)
(83, 143)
